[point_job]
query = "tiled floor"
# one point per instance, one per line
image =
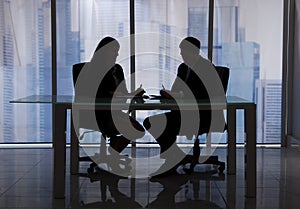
(26, 182)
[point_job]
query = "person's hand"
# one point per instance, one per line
(139, 92)
(166, 94)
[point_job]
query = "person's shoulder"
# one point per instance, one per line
(118, 67)
(182, 66)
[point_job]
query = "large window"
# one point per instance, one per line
(25, 69)
(81, 24)
(247, 37)
(158, 34)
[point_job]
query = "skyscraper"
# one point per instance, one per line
(243, 60)
(269, 111)
(8, 57)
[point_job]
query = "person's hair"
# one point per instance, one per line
(113, 43)
(191, 44)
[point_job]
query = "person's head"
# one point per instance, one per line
(190, 49)
(107, 49)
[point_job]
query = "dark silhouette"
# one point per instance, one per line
(107, 78)
(109, 183)
(114, 83)
(176, 183)
(187, 85)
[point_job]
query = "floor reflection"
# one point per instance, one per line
(26, 181)
(108, 183)
(173, 184)
(174, 191)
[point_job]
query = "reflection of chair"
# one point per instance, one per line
(190, 186)
(115, 195)
(223, 73)
(110, 192)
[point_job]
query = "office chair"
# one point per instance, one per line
(84, 118)
(223, 73)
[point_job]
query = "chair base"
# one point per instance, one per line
(111, 161)
(213, 160)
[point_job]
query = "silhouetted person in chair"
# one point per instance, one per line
(187, 85)
(112, 84)
(107, 78)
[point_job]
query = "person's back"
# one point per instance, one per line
(191, 81)
(194, 88)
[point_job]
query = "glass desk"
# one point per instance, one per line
(63, 103)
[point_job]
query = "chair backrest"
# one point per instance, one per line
(76, 71)
(223, 73)
(85, 115)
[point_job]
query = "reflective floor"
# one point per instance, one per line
(26, 182)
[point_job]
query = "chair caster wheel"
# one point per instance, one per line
(188, 170)
(90, 171)
(221, 168)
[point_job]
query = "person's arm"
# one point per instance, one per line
(176, 90)
(138, 92)
(120, 82)
(167, 94)
(118, 75)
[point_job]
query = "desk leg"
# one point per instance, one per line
(59, 145)
(74, 151)
(231, 140)
(250, 150)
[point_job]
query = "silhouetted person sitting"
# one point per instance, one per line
(188, 85)
(103, 80)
